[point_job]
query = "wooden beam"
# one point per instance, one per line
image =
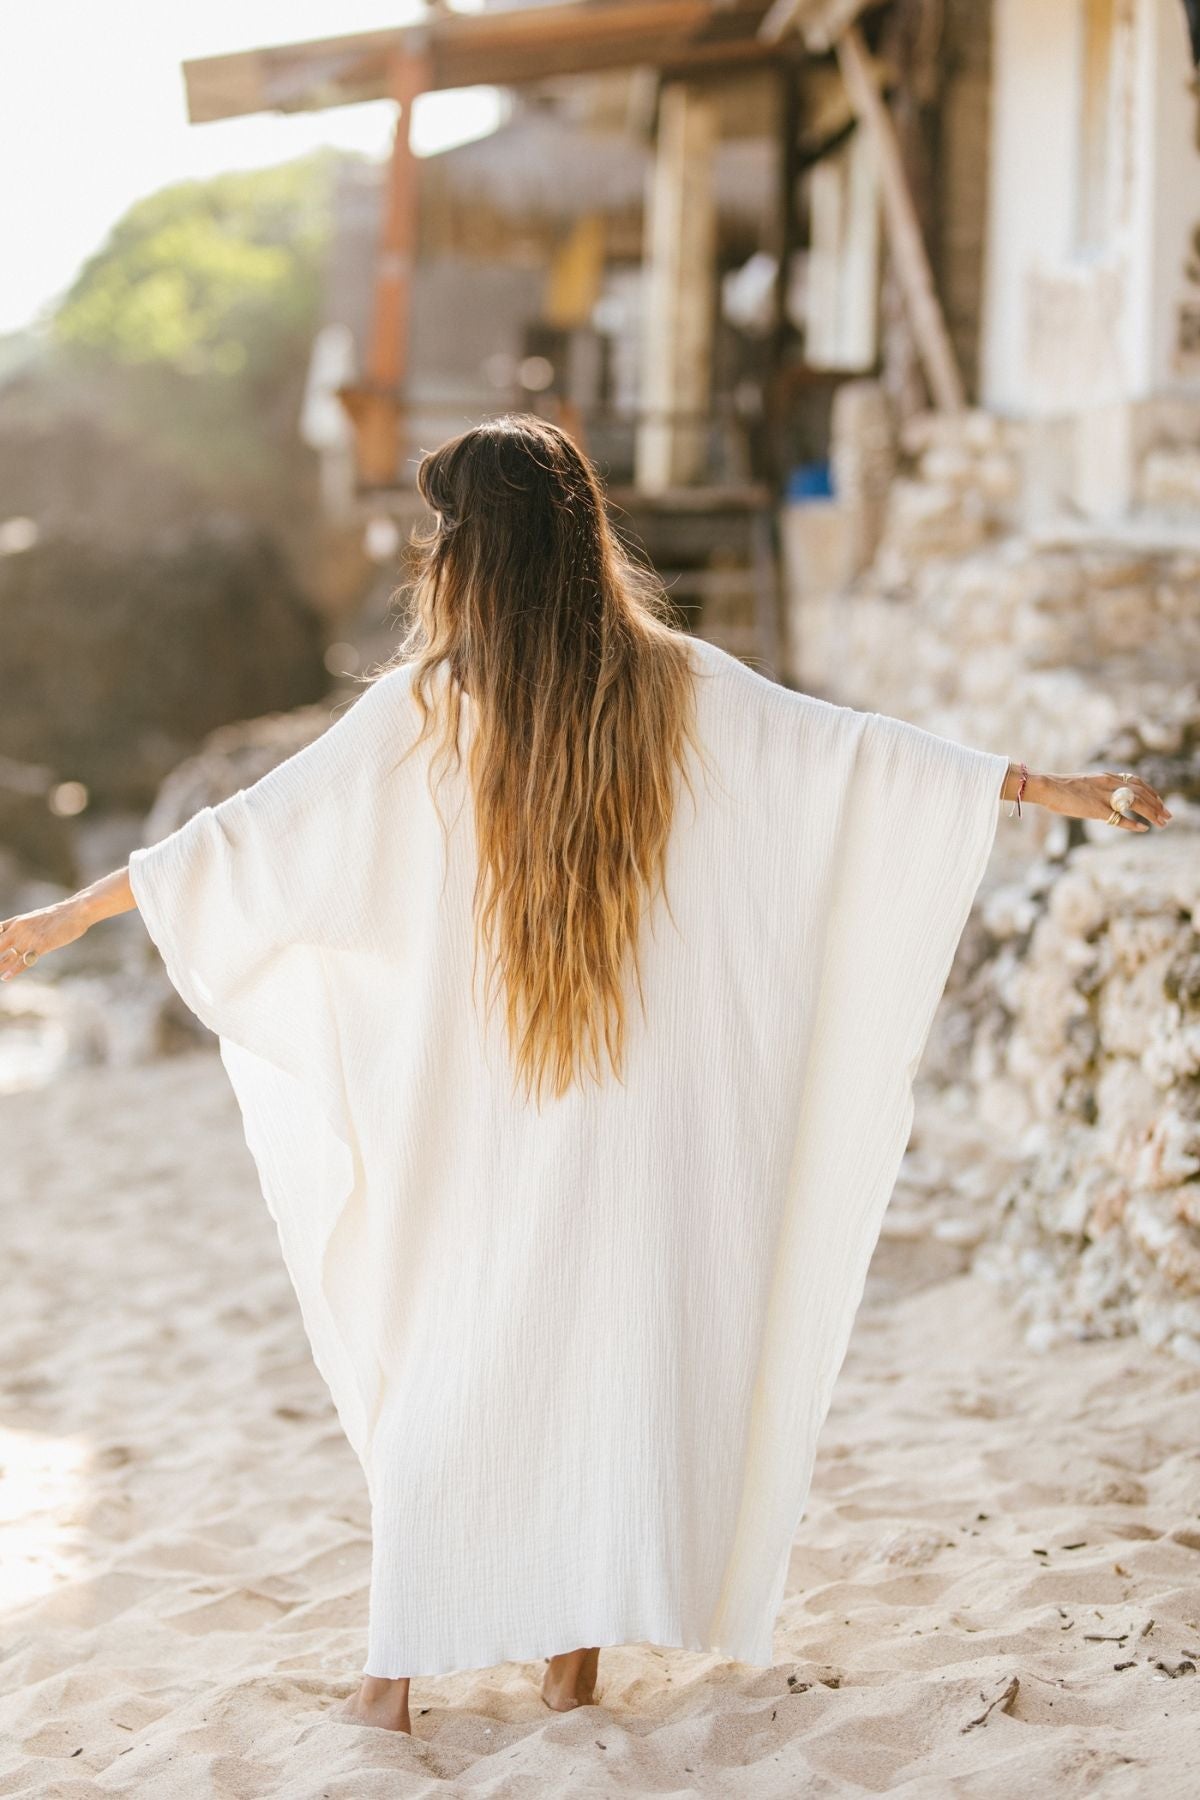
(909, 256)
(779, 20)
(820, 22)
(375, 405)
(465, 49)
(387, 358)
(787, 232)
(680, 278)
(842, 286)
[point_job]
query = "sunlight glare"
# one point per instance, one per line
(42, 1480)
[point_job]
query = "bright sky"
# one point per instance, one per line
(92, 116)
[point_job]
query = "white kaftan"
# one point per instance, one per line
(582, 1355)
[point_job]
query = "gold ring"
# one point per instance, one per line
(29, 956)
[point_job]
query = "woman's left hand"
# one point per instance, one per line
(35, 933)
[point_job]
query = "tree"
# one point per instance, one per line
(209, 277)
(195, 320)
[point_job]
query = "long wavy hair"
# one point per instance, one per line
(582, 699)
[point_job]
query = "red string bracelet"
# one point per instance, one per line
(1021, 787)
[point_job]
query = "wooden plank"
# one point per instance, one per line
(842, 289)
(375, 406)
(911, 261)
(387, 355)
(467, 49)
(749, 497)
(820, 22)
(680, 275)
(710, 584)
(768, 590)
(779, 20)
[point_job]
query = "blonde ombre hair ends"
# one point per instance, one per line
(582, 700)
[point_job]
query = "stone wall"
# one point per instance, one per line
(1041, 640)
(1058, 1139)
(1090, 1019)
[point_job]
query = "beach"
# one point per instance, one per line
(995, 1590)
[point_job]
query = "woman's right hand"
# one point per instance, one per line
(26, 936)
(1090, 797)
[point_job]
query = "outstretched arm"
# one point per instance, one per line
(274, 827)
(1089, 796)
(27, 936)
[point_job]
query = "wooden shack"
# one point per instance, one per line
(677, 245)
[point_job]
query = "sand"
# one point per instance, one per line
(996, 1590)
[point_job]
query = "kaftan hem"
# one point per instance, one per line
(607, 1638)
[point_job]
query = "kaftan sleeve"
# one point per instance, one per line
(914, 817)
(283, 864)
(926, 810)
(257, 906)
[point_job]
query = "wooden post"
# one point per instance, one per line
(680, 262)
(904, 232)
(375, 406)
(787, 237)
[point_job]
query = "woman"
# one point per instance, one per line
(572, 986)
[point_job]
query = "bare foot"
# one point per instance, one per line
(570, 1680)
(379, 1702)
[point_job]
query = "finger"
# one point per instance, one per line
(1146, 807)
(1130, 820)
(1150, 802)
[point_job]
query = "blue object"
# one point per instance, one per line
(810, 481)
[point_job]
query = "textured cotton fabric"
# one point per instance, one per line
(583, 1354)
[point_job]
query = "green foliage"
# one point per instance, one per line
(189, 332)
(210, 278)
